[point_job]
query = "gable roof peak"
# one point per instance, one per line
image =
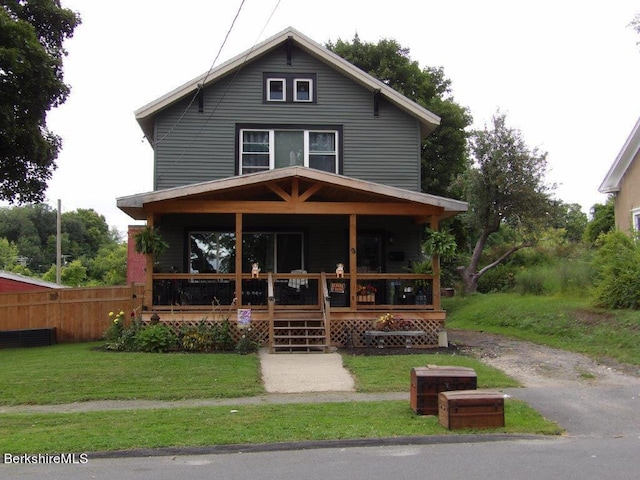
(611, 182)
(145, 115)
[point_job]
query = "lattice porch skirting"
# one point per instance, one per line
(344, 332)
(350, 333)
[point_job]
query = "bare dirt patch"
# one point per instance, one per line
(540, 366)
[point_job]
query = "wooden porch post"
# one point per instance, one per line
(238, 260)
(353, 261)
(435, 262)
(147, 301)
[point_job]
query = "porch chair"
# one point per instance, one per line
(296, 290)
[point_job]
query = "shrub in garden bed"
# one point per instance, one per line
(141, 337)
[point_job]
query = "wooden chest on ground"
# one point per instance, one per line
(471, 409)
(428, 382)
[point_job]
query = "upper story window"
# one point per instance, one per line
(302, 90)
(266, 149)
(276, 90)
(289, 87)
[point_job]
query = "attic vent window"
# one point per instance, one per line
(302, 90)
(285, 87)
(276, 90)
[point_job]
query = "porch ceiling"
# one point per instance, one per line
(290, 190)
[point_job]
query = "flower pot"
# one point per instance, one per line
(371, 298)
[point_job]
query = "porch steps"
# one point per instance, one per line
(299, 333)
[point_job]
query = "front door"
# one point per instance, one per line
(369, 253)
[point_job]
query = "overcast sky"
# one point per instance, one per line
(565, 72)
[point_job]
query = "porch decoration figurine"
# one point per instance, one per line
(255, 270)
(340, 271)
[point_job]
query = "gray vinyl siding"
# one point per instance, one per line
(192, 147)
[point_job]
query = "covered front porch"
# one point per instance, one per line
(307, 222)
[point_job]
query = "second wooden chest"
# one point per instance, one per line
(471, 409)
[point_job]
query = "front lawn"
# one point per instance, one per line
(183, 427)
(67, 373)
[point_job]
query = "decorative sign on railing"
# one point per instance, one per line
(244, 317)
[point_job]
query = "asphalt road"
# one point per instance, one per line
(602, 422)
(560, 457)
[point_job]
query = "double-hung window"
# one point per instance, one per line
(262, 149)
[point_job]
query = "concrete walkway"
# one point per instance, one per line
(304, 372)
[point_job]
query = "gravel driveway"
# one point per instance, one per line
(585, 397)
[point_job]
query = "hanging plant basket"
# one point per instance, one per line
(150, 242)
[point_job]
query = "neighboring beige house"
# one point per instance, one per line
(623, 181)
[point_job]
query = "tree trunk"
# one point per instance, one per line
(470, 274)
(469, 279)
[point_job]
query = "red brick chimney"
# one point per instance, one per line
(136, 262)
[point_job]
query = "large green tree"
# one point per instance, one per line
(603, 220)
(444, 150)
(32, 33)
(86, 238)
(504, 186)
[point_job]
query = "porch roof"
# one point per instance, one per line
(291, 190)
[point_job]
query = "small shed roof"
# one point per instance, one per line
(15, 277)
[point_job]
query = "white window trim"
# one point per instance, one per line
(272, 135)
(283, 81)
(271, 149)
(295, 90)
(308, 151)
(635, 219)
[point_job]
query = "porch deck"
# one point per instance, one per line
(303, 311)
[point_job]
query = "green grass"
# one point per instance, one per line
(562, 322)
(391, 373)
(67, 373)
(100, 431)
(77, 372)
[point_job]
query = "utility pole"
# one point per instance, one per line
(59, 244)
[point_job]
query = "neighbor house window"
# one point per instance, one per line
(276, 90)
(635, 216)
(277, 148)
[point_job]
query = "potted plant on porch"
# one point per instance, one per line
(366, 294)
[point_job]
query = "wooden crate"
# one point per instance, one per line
(427, 383)
(471, 409)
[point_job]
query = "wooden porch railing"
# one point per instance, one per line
(391, 291)
(326, 305)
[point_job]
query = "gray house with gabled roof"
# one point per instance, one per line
(269, 172)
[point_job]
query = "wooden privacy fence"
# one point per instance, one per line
(78, 314)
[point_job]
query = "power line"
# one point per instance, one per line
(204, 80)
(229, 85)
